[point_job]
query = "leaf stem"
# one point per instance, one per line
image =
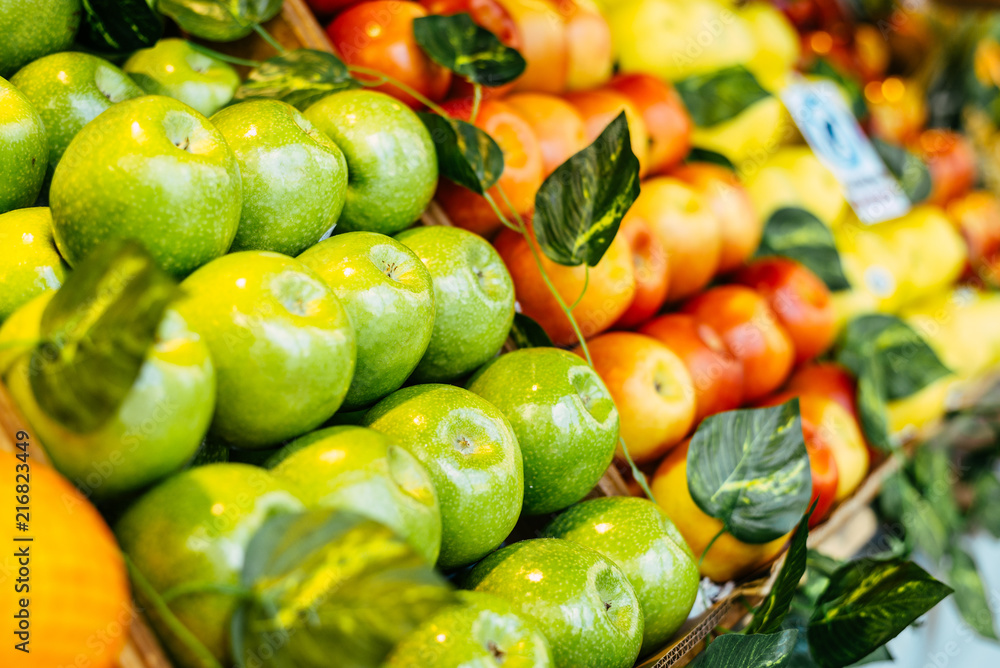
(232, 60)
(266, 36)
(708, 547)
(477, 100)
(586, 284)
(385, 78)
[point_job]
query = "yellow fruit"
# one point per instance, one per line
(793, 176)
(749, 138)
(19, 332)
(917, 411)
(776, 42)
(78, 604)
(963, 328)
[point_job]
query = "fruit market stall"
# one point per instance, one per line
(536, 332)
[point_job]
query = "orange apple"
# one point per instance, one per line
(652, 274)
(557, 125)
(544, 45)
(599, 107)
(667, 121)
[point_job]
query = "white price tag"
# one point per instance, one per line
(839, 143)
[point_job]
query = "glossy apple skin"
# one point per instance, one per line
(667, 121)
(651, 268)
(564, 418)
(610, 289)
(685, 225)
(24, 149)
(282, 344)
(589, 54)
(391, 161)
(641, 540)
(29, 261)
(717, 374)
(379, 35)
(799, 298)
(729, 558)
(522, 171)
(557, 125)
(471, 454)
(651, 387)
(389, 295)
(173, 68)
(195, 527)
(740, 228)
(585, 603)
(478, 632)
(180, 197)
(35, 28)
(473, 300)
(362, 470)
(544, 44)
(828, 379)
(156, 430)
(751, 332)
(68, 90)
(294, 177)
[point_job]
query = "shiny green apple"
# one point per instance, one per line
(24, 149)
(29, 261)
(471, 454)
(294, 177)
(150, 169)
(69, 90)
(359, 469)
(582, 601)
(482, 631)
(564, 417)
(473, 296)
(638, 536)
(282, 344)
(30, 29)
(391, 160)
(173, 68)
(389, 295)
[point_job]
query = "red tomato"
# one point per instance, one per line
(379, 35)
(667, 121)
(800, 299)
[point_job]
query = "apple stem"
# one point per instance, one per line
(384, 78)
(266, 36)
(477, 99)
(232, 60)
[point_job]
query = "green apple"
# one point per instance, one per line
(173, 68)
(362, 470)
(474, 299)
(150, 169)
(192, 530)
(29, 261)
(639, 537)
(391, 160)
(20, 332)
(69, 90)
(24, 149)
(471, 453)
(582, 600)
(564, 417)
(294, 177)
(156, 430)
(282, 344)
(482, 631)
(31, 29)
(388, 293)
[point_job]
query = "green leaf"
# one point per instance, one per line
(96, 333)
(911, 172)
(924, 528)
(907, 363)
(697, 154)
(219, 20)
(527, 333)
(330, 588)
(970, 594)
(469, 50)
(868, 603)
(986, 505)
(873, 411)
(801, 236)
(734, 650)
(823, 68)
(120, 26)
(935, 477)
(466, 155)
(581, 204)
(300, 78)
(749, 469)
(802, 658)
(718, 96)
(211, 452)
(767, 618)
